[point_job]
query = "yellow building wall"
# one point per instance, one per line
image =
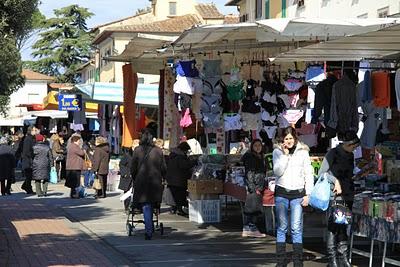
(183, 7)
(275, 9)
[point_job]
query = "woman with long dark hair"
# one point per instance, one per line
(295, 181)
(148, 172)
(255, 169)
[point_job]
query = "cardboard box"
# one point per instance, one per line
(205, 186)
(205, 211)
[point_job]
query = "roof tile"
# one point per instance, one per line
(209, 11)
(231, 19)
(31, 75)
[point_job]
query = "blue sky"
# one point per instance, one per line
(108, 10)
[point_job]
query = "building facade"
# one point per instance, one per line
(252, 10)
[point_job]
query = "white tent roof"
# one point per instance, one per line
(371, 45)
(302, 29)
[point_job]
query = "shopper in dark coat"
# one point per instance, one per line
(148, 171)
(101, 159)
(179, 168)
(41, 164)
(74, 165)
(27, 156)
(7, 166)
(126, 181)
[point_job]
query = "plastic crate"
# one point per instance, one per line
(205, 211)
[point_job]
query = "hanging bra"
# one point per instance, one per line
(235, 91)
(211, 104)
(187, 68)
(213, 86)
(212, 120)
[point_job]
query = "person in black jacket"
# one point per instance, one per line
(255, 169)
(27, 156)
(7, 166)
(125, 166)
(101, 159)
(41, 164)
(179, 168)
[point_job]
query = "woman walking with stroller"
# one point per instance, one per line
(41, 164)
(148, 172)
(295, 181)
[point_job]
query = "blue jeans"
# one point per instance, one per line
(88, 178)
(148, 218)
(296, 219)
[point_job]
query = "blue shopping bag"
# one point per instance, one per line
(321, 194)
(53, 175)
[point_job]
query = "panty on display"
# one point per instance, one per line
(213, 86)
(232, 122)
(251, 121)
(293, 115)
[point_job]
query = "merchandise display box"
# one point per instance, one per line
(205, 211)
(205, 186)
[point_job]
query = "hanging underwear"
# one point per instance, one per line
(250, 121)
(270, 98)
(282, 121)
(293, 99)
(213, 86)
(265, 116)
(250, 106)
(186, 120)
(315, 74)
(212, 120)
(211, 104)
(187, 68)
(235, 91)
(269, 107)
(211, 68)
(250, 88)
(293, 85)
(296, 74)
(232, 122)
(285, 99)
(293, 115)
(235, 74)
(185, 101)
(271, 131)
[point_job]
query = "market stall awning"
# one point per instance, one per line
(147, 94)
(57, 114)
(302, 29)
(382, 43)
(142, 44)
(50, 102)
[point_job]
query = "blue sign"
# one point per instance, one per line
(71, 102)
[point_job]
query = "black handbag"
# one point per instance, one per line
(253, 203)
(340, 214)
(125, 183)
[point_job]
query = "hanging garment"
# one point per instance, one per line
(211, 68)
(296, 74)
(250, 106)
(213, 86)
(235, 91)
(196, 103)
(271, 131)
(293, 115)
(315, 73)
(232, 122)
(293, 100)
(344, 114)
(185, 101)
(235, 74)
(282, 121)
(363, 69)
(293, 85)
(266, 116)
(367, 87)
(250, 88)
(372, 120)
(187, 68)
(285, 99)
(212, 121)
(187, 85)
(211, 104)
(323, 96)
(186, 120)
(269, 97)
(250, 121)
(381, 88)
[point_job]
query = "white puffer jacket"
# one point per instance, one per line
(294, 171)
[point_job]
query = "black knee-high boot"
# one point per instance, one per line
(331, 250)
(297, 255)
(281, 254)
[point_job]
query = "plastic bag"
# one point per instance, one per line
(53, 175)
(320, 195)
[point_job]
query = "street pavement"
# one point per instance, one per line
(59, 231)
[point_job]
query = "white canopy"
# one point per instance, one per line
(371, 45)
(302, 29)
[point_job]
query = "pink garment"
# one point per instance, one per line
(186, 120)
(293, 115)
(293, 99)
(306, 129)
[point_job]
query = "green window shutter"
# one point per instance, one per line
(283, 8)
(267, 9)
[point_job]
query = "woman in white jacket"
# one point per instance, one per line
(292, 167)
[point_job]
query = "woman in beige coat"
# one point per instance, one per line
(75, 164)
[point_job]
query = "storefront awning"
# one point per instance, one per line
(379, 44)
(147, 94)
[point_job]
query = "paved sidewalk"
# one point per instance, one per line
(35, 234)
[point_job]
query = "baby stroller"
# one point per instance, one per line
(132, 222)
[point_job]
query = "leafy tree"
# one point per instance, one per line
(15, 23)
(64, 44)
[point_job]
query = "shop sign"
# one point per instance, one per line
(70, 102)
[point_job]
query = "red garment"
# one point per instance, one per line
(381, 88)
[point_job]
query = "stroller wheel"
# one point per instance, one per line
(161, 229)
(129, 229)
